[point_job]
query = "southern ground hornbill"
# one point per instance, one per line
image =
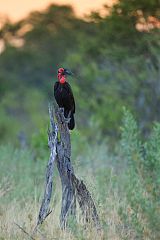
(64, 96)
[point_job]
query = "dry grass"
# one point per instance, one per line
(20, 203)
(25, 214)
(5, 187)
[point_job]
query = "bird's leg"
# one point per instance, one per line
(68, 117)
(65, 116)
(62, 120)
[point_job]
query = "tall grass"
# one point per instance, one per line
(125, 188)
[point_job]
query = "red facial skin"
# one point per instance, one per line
(61, 77)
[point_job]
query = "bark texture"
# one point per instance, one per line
(72, 188)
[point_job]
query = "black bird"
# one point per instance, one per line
(64, 96)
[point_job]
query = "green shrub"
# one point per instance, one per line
(142, 179)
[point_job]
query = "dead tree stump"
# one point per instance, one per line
(65, 169)
(72, 188)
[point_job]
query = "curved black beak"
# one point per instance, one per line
(67, 72)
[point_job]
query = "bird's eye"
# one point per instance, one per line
(60, 70)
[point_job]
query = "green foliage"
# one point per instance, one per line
(130, 135)
(143, 174)
(151, 163)
(22, 111)
(23, 174)
(39, 144)
(115, 65)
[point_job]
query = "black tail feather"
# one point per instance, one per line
(71, 123)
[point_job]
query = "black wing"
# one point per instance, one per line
(71, 97)
(56, 86)
(64, 96)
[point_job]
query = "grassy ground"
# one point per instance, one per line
(21, 189)
(125, 189)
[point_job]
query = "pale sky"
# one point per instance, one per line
(17, 9)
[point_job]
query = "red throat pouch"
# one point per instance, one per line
(62, 79)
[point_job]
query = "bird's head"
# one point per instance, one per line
(62, 73)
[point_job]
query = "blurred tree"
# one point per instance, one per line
(47, 38)
(115, 62)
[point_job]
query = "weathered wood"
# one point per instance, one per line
(65, 169)
(86, 202)
(52, 143)
(72, 187)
